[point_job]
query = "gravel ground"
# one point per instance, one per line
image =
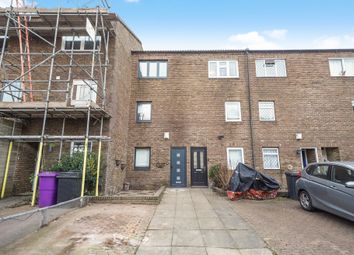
(94, 229)
(288, 229)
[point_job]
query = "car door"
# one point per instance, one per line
(318, 185)
(342, 197)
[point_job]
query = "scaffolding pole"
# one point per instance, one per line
(39, 156)
(99, 158)
(4, 42)
(7, 164)
(89, 108)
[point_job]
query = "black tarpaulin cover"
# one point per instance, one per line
(245, 178)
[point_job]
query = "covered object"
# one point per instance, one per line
(248, 183)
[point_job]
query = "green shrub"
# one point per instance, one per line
(74, 163)
(220, 175)
(213, 171)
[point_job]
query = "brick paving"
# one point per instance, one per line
(198, 222)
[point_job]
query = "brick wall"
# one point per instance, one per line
(190, 106)
(118, 102)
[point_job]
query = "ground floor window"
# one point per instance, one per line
(142, 158)
(79, 146)
(234, 156)
(271, 158)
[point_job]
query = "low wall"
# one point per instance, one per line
(16, 226)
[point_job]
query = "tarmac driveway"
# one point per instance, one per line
(288, 229)
(199, 222)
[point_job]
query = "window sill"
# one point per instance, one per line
(152, 78)
(142, 169)
(233, 121)
(142, 122)
(215, 78)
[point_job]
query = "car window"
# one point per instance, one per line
(342, 174)
(320, 171)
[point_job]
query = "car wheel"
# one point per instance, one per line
(305, 200)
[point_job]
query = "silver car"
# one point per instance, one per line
(328, 186)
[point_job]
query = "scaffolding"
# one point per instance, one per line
(50, 96)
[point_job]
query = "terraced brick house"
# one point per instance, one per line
(164, 117)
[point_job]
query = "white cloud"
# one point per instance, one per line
(252, 40)
(276, 33)
(132, 1)
(334, 42)
(5, 3)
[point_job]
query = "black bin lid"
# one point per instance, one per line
(67, 175)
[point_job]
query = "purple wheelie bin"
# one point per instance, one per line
(47, 188)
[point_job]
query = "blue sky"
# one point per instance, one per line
(236, 24)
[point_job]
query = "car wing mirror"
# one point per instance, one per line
(349, 185)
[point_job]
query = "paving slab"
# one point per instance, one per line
(197, 221)
(222, 251)
(161, 223)
(189, 251)
(246, 239)
(146, 250)
(255, 252)
(157, 238)
(186, 223)
(187, 238)
(210, 223)
(218, 238)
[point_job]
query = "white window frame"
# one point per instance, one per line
(142, 168)
(239, 107)
(77, 84)
(276, 73)
(72, 144)
(137, 111)
(344, 70)
(218, 69)
(228, 149)
(263, 154)
(148, 75)
(353, 105)
(82, 40)
(259, 110)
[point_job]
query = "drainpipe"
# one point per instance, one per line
(250, 107)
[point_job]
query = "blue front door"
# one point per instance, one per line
(178, 167)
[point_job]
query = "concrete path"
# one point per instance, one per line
(198, 222)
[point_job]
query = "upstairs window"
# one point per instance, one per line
(153, 69)
(232, 111)
(266, 111)
(79, 146)
(12, 92)
(270, 68)
(83, 92)
(79, 43)
(341, 66)
(234, 156)
(143, 112)
(271, 158)
(223, 69)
